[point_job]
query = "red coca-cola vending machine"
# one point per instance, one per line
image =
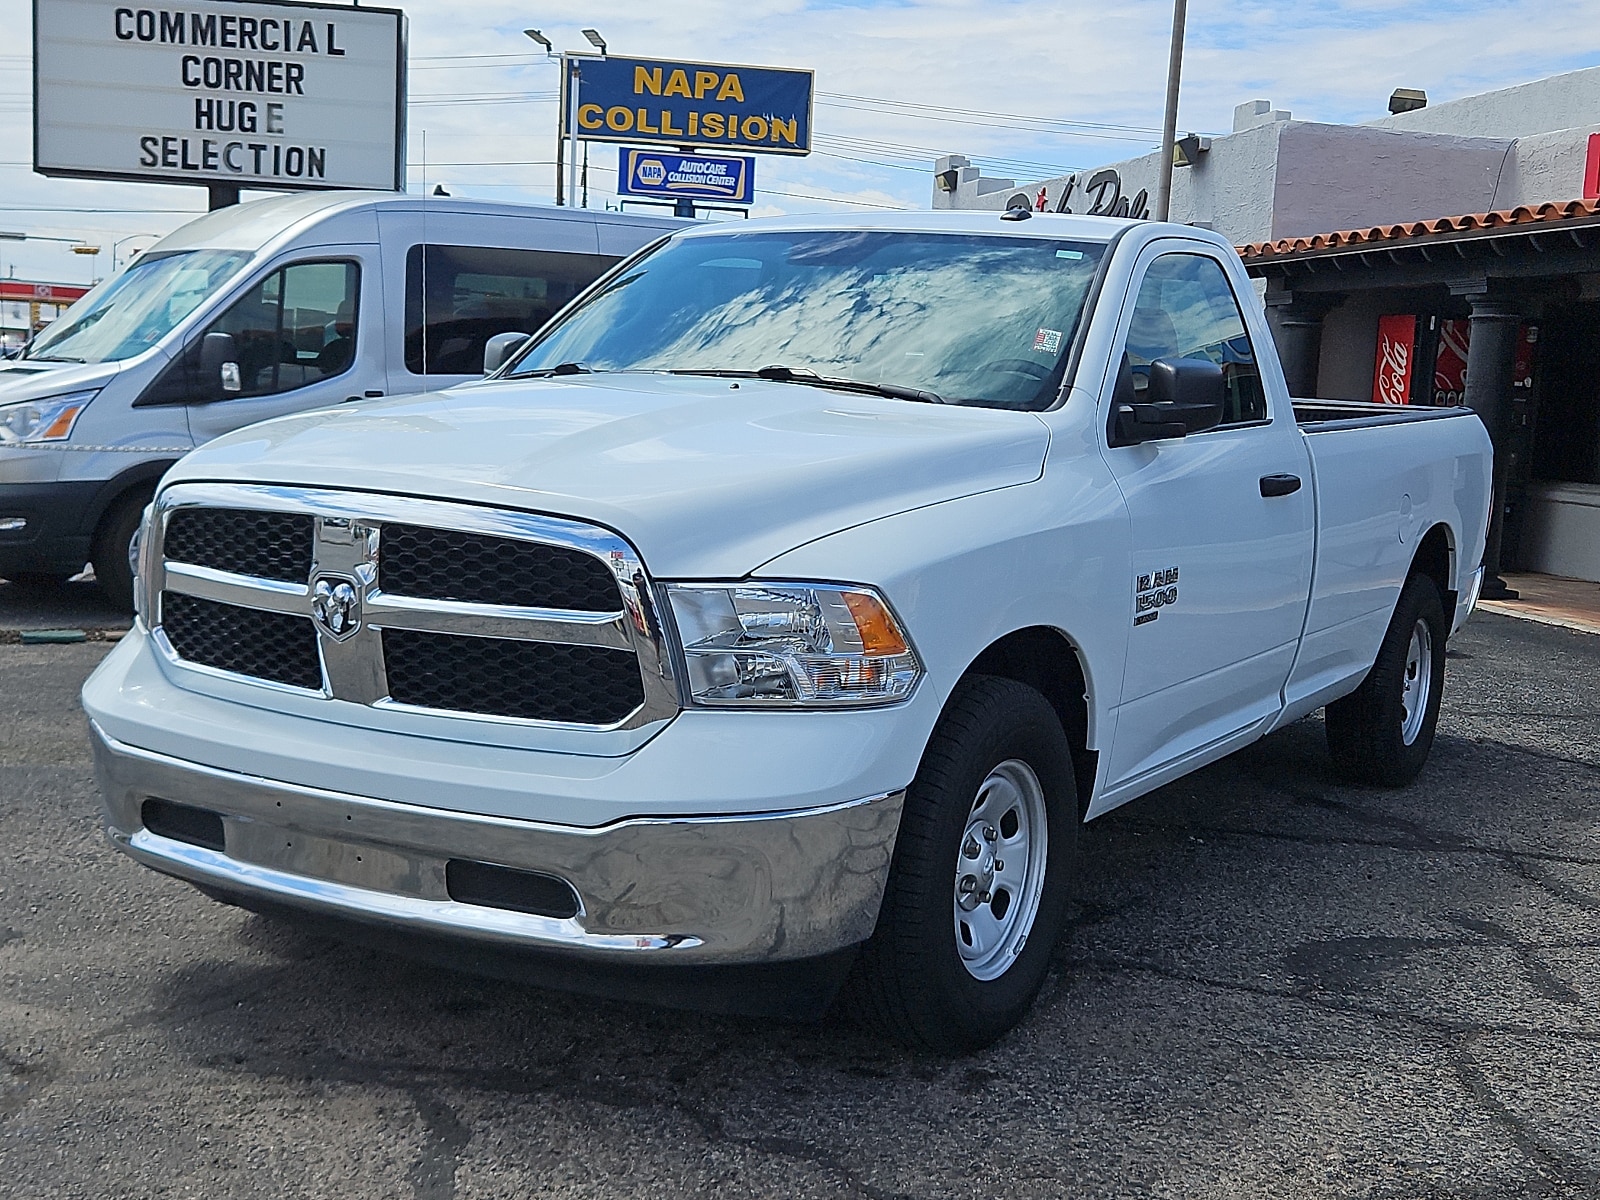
(1397, 352)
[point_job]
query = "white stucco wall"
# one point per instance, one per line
(1558, 102)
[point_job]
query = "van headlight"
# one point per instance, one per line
(791, 644)
(48, 420)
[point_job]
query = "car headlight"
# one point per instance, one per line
(794, 644)
(47, 420)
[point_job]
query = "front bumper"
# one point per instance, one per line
(750, 889)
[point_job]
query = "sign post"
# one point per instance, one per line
(221, 93)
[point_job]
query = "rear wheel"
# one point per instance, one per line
(1382, 732)
(113, 548)
(982, 874)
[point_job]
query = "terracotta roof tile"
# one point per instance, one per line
(1521, 215)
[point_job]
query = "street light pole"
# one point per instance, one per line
(1169, 122)
(550, 52)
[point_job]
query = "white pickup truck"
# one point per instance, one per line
(783, 607)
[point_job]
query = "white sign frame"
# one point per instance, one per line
(157, 79)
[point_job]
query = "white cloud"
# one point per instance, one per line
(1071, 60)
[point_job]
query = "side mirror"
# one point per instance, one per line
(1185, 396)
(219, 363)
(501, 347)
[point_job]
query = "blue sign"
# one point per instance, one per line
(687, 104)
(725, 177)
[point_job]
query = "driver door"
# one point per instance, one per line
(301, 343)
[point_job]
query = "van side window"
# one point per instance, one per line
(461, 296)
(1186, 309)
(295, 327)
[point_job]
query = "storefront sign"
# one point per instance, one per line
(667, 103)
(657, 173)
(1391, 377)
(253, 93)
(40, 293)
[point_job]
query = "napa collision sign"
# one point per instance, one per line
(664, 175)
(669, 103)
(250, 93)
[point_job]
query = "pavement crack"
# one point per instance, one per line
(1543, 980)
(433, 1175)
(1552, 1165)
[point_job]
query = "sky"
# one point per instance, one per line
(1027, 90)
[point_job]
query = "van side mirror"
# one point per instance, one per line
(501, 347)
(219, 364)
(1185, 395)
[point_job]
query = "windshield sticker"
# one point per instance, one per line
(1072, 254)
(1047, 341)
(1152, 593)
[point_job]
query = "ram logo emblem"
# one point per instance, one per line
(336, 607)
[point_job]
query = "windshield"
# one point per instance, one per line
(968, 318)
(131, 312)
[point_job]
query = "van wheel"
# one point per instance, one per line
(982, 874)
(113, 569)
(1381, 733)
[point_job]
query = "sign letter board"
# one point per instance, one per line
(255, 93)
(719, 107)
(660, 173)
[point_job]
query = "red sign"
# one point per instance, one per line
(41, 293)
(1391, 376)
(1591, 169)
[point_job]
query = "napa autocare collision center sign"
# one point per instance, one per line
(711, 105)
(253, 93)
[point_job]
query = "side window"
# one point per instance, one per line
(458, 297)
(296, 326)
(1186, 309)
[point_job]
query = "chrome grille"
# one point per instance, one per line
(447, 564)
(584, 685)
(244, 641)
(268, 545)
(409, 605)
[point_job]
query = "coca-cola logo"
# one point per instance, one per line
(1394, 371)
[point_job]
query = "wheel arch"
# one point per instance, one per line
(1047, 660)
(142, 477)
(1436, 559)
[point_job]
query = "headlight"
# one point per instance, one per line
(801, 644)
(47, 420)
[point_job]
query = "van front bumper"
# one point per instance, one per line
(764, 888)
(44, 526)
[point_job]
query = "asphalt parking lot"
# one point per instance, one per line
(1275, 985)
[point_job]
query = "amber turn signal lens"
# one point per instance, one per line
(879, 633)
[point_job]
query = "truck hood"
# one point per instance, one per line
(708, 478)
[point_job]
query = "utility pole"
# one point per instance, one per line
(1169, 123)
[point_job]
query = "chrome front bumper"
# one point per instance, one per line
(742, 889)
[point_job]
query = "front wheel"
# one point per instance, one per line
(982, 874)
(112, 553)
(1381, 733)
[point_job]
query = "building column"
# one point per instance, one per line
(1491, 364)
(1296, 323)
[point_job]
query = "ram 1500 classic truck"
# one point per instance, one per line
(786, 603)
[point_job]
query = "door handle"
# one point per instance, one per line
(1280, 485)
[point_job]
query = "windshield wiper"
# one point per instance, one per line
(781, 374)
(566, 368)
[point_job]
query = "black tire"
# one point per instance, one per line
(910, 980)
(1372, 734)
(112, 570)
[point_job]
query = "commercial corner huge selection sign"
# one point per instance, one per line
(257, 93)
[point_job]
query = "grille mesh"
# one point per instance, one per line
(247, 641)
(268, 545)
(537, 681)
(444, 564)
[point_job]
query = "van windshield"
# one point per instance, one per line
(130, 312)
(980, 319)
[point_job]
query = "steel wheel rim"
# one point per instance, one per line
(1000, 867)
(1416, 682)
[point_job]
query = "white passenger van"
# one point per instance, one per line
(259, 310)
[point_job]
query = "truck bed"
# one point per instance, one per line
(1315, 416)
